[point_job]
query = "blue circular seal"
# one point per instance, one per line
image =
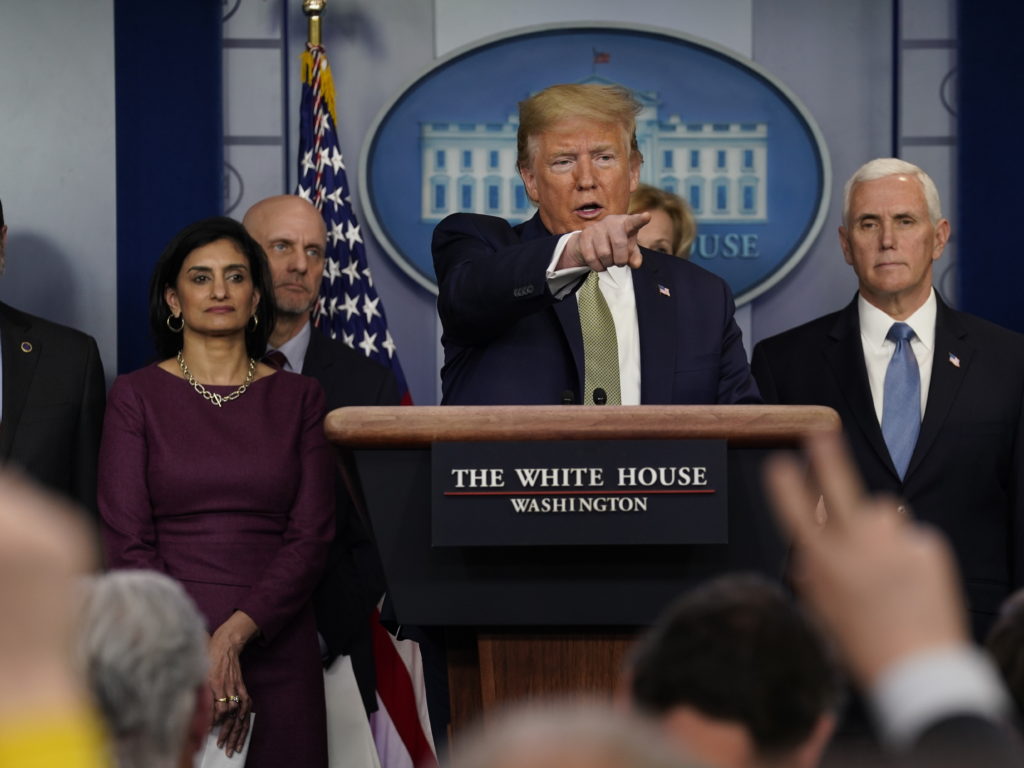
(715, 128)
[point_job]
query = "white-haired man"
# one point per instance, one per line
(143, 643)
(930, 397)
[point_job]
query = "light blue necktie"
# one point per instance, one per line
(901, 405)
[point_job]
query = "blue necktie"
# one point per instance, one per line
(901, 406)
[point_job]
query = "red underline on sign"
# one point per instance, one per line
(573, 493)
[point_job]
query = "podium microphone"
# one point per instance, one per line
(600, 396)
(568, 397)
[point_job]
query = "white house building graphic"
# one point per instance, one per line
(720, 168)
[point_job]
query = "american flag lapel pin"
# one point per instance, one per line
(663, 290)
(954, 360)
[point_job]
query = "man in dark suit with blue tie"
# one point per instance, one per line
(53, 395)
(567, 307)
(930, 398)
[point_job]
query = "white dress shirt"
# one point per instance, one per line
(878, 351)
(920, 690)
(616, 284)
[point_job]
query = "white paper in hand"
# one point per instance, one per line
(212, 756)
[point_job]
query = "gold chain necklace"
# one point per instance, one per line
(213, 397)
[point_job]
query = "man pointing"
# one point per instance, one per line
(567, 307)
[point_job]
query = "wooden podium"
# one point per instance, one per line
(530, 621)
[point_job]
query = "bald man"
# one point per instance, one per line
(292, 233)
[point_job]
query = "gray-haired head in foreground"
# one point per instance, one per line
(557, 734)
(144, 647)
(881, 167)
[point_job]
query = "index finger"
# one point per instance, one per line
(793, 501)
(634, 222)
(837, 476)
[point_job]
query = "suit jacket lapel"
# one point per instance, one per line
(568, 314)
(846, 357)
(655, 316)
(19, 366)
(566, 310)
(950, 339)
(316, 361)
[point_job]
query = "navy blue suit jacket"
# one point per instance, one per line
(968, 465)
(508, 341)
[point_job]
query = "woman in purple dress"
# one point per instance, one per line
(214, 469)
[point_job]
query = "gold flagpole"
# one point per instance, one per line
(313, 9)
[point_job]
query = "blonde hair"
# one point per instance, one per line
(684, 225)
(600, 103)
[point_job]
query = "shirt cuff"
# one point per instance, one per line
(916, 693)
(562, 281)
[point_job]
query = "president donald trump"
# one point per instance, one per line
(567, 307)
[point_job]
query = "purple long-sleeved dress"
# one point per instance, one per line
(237, 504)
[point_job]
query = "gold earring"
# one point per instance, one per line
(180, 325)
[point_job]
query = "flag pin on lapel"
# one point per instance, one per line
(664, 291)
(954, 360)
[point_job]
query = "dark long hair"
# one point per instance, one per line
(168, 267)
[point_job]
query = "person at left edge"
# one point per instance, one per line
(215, 470)
(512, 331)
(51, 405)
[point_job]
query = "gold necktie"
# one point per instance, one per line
(600, 347)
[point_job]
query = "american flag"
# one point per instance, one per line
(349, 307)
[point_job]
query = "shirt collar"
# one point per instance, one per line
(294, 350)
(875, 324)
(619, 276)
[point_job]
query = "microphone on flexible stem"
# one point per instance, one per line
(568, 397)
(600, 396)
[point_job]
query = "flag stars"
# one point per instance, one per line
(370, 308)
(337, 161)
(369, 343)
(331, 270)
(389, 344)
(351, 306)
(307, 162)
(348, 339)
(304, 193)
(351, 272)
(352, 235)
(368, 276)
(336, 234)
(335, 197)
(334, 307)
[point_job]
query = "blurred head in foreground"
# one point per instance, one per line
(672, 227)
(1006, 644)
(144, 648)
(738, 675)
(564, 735)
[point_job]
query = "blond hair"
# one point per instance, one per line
(684, 225)
(600, 103)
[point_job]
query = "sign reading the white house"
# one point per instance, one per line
(622, 492)
(714, 128)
